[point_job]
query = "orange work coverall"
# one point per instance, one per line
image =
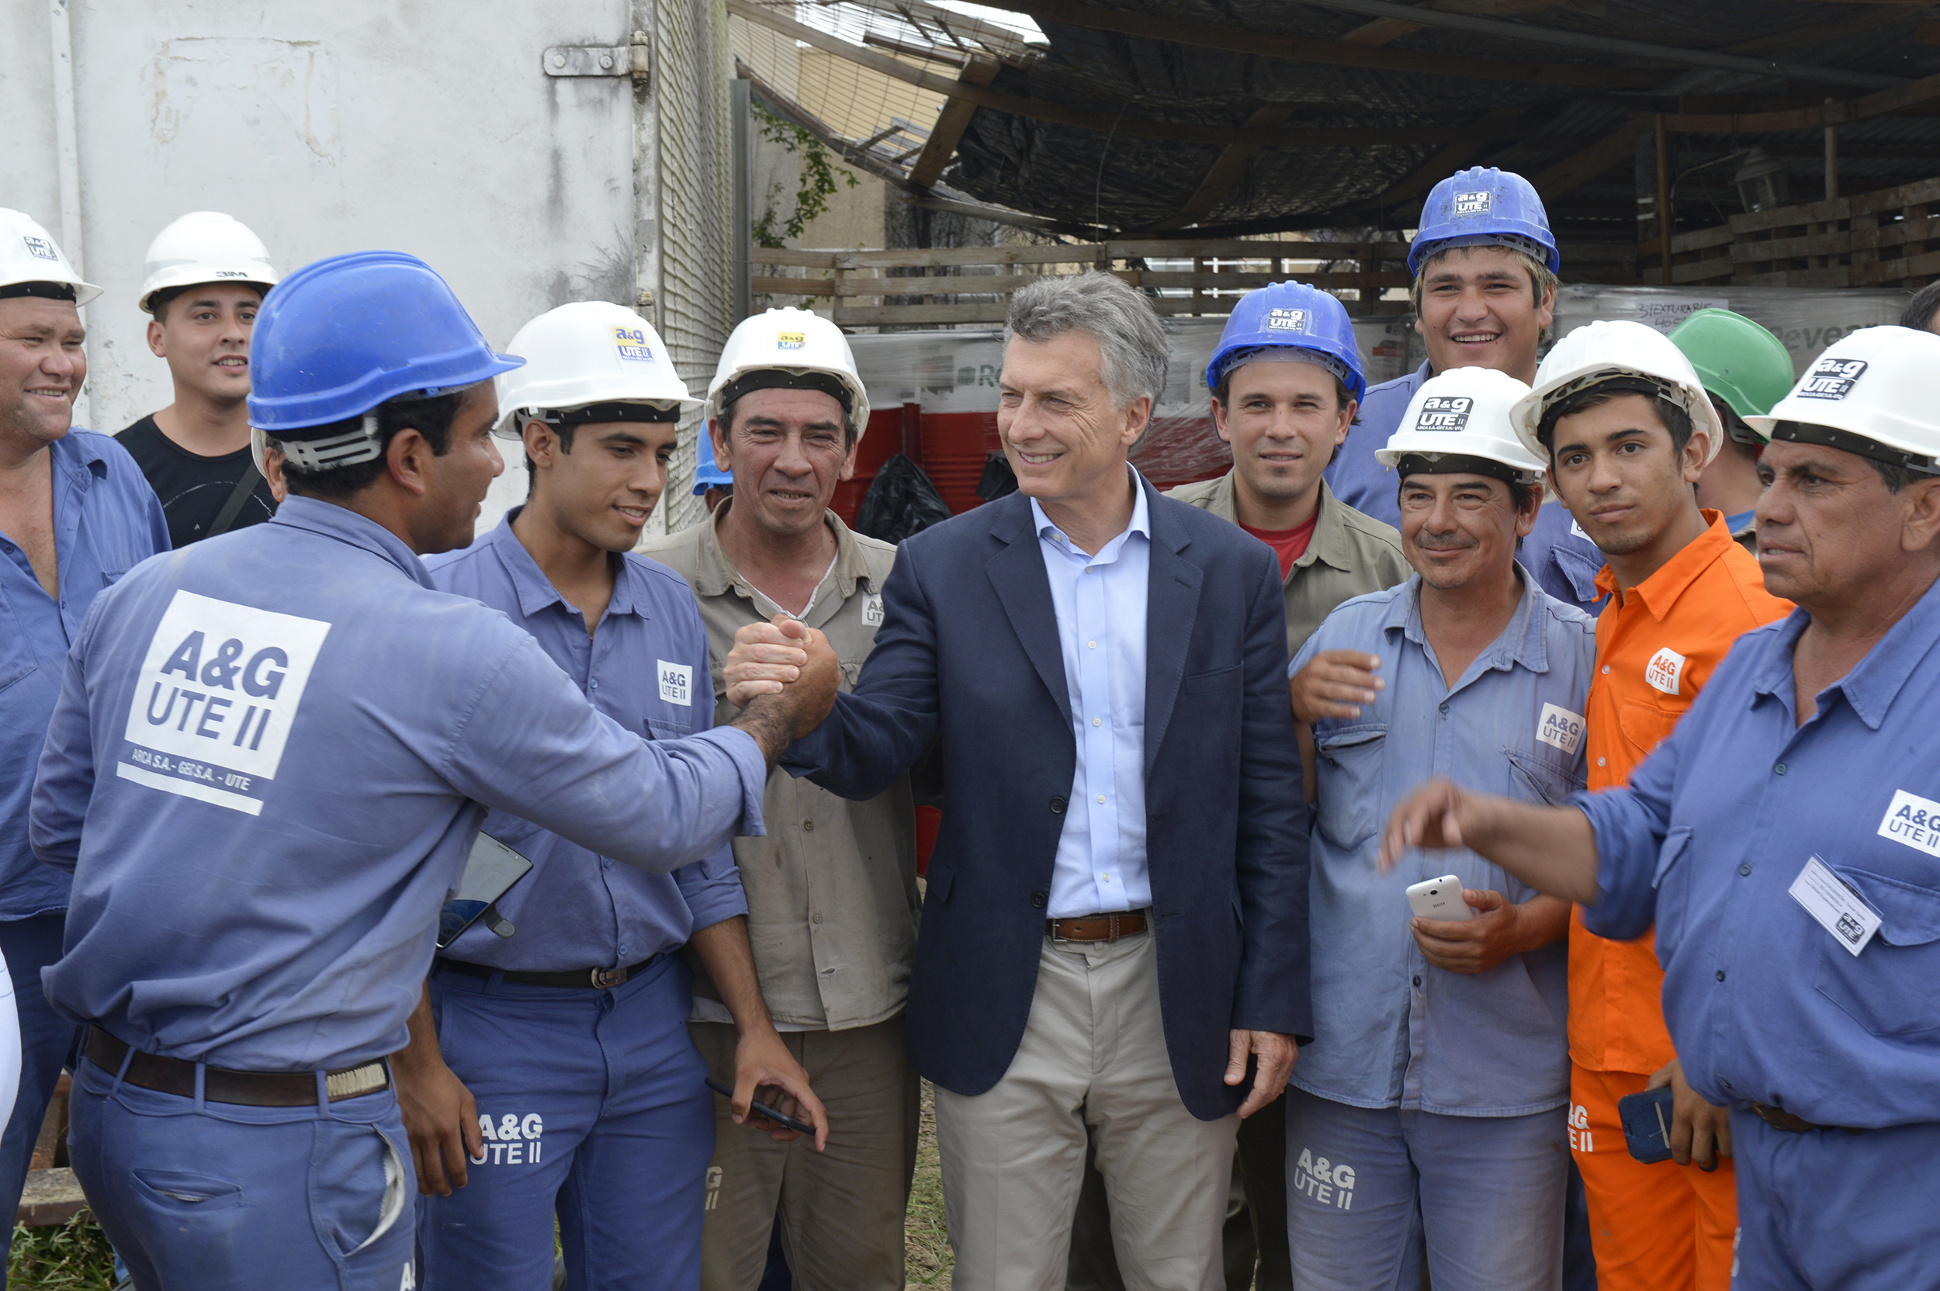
(1653, 1227)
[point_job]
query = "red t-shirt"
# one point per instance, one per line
(1289, 544)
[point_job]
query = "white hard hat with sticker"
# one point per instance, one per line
(770, 348)
(1464, 413)
(1619, 351)
(1875, 384)
(32, 264)
(586, 353)
(205, 246)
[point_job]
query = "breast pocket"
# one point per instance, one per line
(1350, 799)
(1645, 725)
(1892, 987)
(1534, 778)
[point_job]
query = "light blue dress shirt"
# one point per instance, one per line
(1390, 1029)
(266, 770)
(1764, 1003)
(1100, 605)
(646, 668)
(1559, 553)
(106, 521)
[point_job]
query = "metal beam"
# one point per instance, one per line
(1334, 52)
(1909, 94)
(1086, 118)
(1608, 46)
(1586, 164)
(951, 122)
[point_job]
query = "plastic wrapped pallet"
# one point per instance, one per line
(1805, 320)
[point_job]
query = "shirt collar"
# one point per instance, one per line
(534, 590)
(80, 456)
(1524, 639)
(1875, 681)
(346, 526)
(715, 573)
(1660, 591)
(1141, 522)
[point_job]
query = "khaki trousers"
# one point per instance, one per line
(1093, 1054)
(842, 1210)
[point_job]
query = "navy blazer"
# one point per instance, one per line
(969, 646)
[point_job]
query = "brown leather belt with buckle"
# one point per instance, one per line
(594, 979)
(1780, 1119)
(1096, 927)
(219, 1085)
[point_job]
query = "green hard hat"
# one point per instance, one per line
(1739, 361)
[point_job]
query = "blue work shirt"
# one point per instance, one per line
(1100, 605)
(106, 521)
(1390, 1029)
(265, 772)
(1557, 550)
(1763, 1003)
(577, 909)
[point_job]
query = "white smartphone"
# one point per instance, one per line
(1439, 899)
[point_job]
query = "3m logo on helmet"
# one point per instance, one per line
(1831, 378)
(790, 340)
(1444, 412)
(40, 248)
(631, 342)
(1291, 320)
(1472, 203)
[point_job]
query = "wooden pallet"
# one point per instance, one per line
(1890, 238)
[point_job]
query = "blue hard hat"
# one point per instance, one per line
(706, 471)
(341, 336)
(1484, 207)
(1290, 315)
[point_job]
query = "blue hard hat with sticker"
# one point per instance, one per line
(339, 337)
(1484, 207)
(1290, 315)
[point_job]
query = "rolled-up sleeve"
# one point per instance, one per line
(531, 745)
(1630, 824)
(712, 889)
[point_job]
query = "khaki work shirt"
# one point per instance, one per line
(1350, 555)
(832, 901)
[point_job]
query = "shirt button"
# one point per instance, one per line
(1444, 706)
(1101, 797)
(1417, 981)
(1744, 869)
(1780, 768)
(1599, 761)
(1092, 644)
(1097, 721)
(623, 948)
(809, 826)
(594, 684)
(606, 862)
(816, 917)
(1606, 669)
(1721, 974)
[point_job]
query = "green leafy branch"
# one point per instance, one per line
(820, 179)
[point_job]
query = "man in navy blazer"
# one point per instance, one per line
(1115, 928)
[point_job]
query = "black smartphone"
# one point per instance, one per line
(491, 871)
(762, 1110)
(1646, 1118)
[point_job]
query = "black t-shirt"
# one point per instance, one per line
(193, 488)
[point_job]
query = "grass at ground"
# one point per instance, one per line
(927, 1258)
(74, 1257)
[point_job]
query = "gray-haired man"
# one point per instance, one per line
(1115, 927)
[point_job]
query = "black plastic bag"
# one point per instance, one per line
(900, 501)
(998, 478)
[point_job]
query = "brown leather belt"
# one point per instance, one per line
(1780, 1119)
(219, 1085)
(597, 979)
(1096, 927)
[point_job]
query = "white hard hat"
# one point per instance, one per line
(1464, 412)
(588, 353)
(1876, 385)
(792, 343)
(28, 255)
(204, 246)
(1616, 351)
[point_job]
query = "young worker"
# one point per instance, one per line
(831, 889)
(1627, 428)
(267, 767)
(1781, 840)
(582, 1093)
(75, 515)
(1484, 293)
(1745, 370)
(1286, 381)
(1430, 1112)
(206, 275)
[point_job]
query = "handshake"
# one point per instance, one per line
(784, 677)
